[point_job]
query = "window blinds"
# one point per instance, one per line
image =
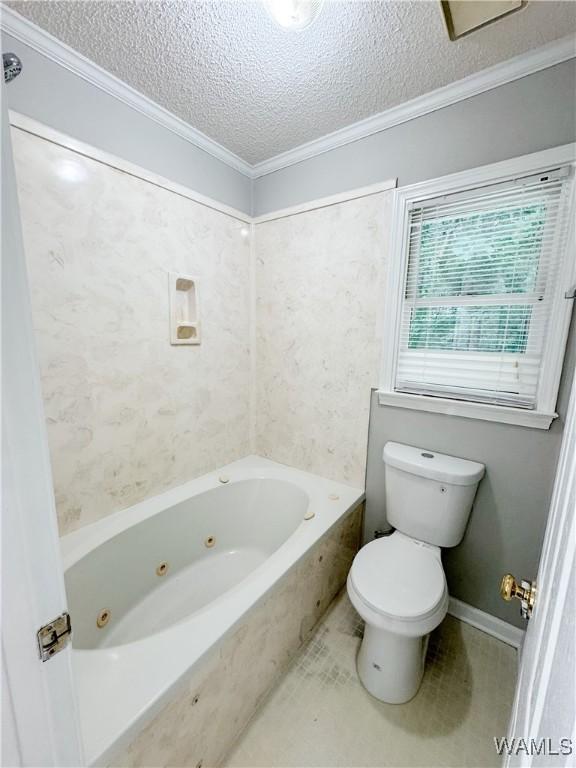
(482, 275)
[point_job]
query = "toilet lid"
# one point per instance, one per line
(399, 577)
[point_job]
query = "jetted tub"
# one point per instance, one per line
(153, 588)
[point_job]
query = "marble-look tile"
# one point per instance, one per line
(319, 714)
(128, 414)
(319, 282)
(201, 723)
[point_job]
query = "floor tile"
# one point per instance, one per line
(320, 716)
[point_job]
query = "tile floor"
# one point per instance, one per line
(321, 716)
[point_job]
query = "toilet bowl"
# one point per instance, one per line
(398, 587)
(397, 582)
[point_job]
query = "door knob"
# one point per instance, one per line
(525, 592)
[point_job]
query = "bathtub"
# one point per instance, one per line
(153, 589)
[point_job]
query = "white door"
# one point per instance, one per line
(544, 713)
(39, 715)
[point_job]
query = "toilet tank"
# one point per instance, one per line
(429, 495)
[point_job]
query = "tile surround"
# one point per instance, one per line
(319, 283)
(320, 715)
(129, 415)
(215, 704)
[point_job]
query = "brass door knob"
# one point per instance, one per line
(508, 587)
(525, 592)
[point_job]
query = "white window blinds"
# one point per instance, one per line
(482, 276)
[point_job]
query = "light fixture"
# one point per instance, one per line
(293, 14)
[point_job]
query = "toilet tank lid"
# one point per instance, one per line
(433, 465)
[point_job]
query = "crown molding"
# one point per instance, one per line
(48, 45)
(480, 82)
(493, 77)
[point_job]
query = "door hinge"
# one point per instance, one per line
(53, 637)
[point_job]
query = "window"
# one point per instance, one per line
(477, 304)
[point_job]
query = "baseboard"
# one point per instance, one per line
(508, 633)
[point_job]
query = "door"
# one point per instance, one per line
(40, 726)
(544, 712)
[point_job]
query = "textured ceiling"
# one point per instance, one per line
(229, 71)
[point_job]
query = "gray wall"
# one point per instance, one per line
(525, 116)
(62, 100)
(507, 524)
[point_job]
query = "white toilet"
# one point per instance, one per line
(397, 582)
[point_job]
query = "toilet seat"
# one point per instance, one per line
(400, 578)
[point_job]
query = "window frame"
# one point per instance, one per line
(396, 272)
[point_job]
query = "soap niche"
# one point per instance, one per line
(184, 312)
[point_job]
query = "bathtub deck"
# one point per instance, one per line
(320, 715)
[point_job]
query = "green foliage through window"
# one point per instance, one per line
(492, 252)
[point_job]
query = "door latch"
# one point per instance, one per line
(53, 637)
(525, 592)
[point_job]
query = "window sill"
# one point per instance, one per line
(484, 412)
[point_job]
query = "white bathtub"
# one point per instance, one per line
(172, 575)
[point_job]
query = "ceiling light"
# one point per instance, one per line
(293, 14)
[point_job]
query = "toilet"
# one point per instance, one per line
(397, 582)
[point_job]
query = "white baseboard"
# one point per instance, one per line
(484, 621)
